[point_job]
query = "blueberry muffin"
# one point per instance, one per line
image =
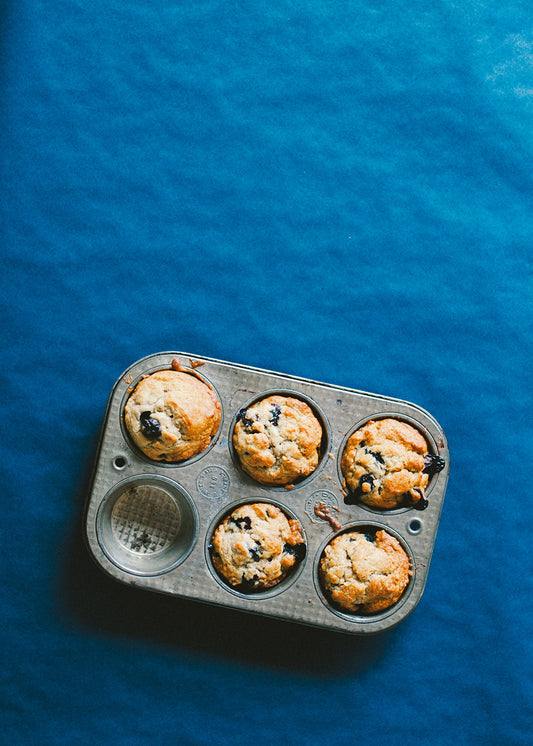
(363, 573)
(172, 415)
(386, 465)
(277, 440)
(256, 546)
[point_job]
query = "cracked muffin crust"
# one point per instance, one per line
(172, 415)
(363, 573)
(256, 546)
(386, 465)
(277, 440)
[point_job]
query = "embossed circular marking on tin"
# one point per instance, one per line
(145, 519)
(316, 500)
(213, 482)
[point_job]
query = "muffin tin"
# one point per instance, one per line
(149, 524)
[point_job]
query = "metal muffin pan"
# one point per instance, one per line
(149, 524)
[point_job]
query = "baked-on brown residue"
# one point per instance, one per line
(322, 511)
(176, 365)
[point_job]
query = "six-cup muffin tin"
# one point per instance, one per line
(149, 524)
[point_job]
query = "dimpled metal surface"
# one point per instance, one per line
(214, 482)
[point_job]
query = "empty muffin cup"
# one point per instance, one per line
(147, 525)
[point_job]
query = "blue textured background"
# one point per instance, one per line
(340, 191)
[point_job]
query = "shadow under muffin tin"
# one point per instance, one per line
(150, 523)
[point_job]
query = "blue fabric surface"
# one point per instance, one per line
(340, 191)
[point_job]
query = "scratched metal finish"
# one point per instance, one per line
(149, 524)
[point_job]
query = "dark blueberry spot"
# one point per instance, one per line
(247, 423)
(247, 585)
(353, 498)
(255, 552)
(150, 427)
(275, 414)
(415, 499)
(367, 479)
(245, 522)
(297, 550)
(433, 464)
(375, 455)
(370, 537)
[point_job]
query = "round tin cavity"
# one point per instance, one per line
(433, 465)
(147, 525)
(323, 449)
(369, 529)
(145, 519)
(152, 426)
(249, 547)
